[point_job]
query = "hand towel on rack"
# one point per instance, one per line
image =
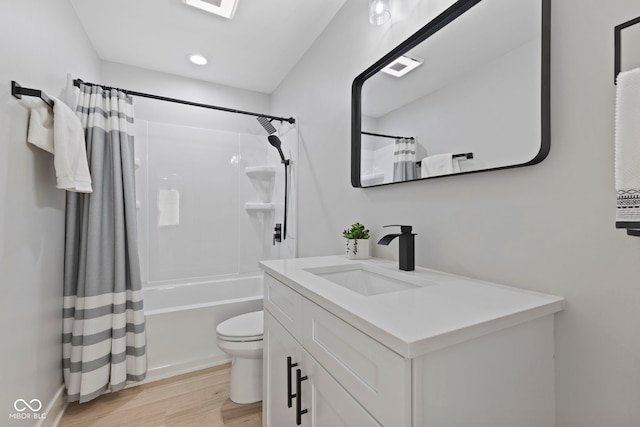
(65, 140)
(40, 131)
(439, 164)
(627, 148)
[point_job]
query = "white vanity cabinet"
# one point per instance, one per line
(300, 392)
(446, 352)
(309, 351)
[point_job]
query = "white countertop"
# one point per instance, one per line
(416, 321)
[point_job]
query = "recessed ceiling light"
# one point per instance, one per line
(224, 8)
(402, 65)
(197, 59)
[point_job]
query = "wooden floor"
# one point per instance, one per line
(197, 399)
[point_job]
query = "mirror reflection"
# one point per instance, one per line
(464, 98)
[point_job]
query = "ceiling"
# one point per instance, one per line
(254, 51)
(484, 33)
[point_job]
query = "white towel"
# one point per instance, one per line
(439, 164)
(627, 147)
(41, 127)
(168, 207)
(60, 133)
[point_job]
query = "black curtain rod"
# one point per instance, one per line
(386, 136)
(291, 120)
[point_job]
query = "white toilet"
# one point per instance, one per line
(241, 337)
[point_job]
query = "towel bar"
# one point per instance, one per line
(633, 228)
(455, 156)
(18, 91)
(618, 45)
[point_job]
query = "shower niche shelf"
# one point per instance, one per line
(259, 207)
(262, 178)
(260, 172)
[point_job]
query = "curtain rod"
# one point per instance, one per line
(291, 120)
(386, 136)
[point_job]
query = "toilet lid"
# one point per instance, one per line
(248, 325)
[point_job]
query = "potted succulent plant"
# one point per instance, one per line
(357, 241)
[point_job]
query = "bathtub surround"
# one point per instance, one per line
(104, 342)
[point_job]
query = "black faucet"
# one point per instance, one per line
(406, 245)
(277, 235)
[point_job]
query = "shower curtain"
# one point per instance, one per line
(404, 160)
(104, 343)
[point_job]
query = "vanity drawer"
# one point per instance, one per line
(374, 375)
(284, 304)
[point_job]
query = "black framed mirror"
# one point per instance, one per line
(477, 99)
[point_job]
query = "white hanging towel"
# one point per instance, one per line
(60, 133)
(627, 147)
(41, 127)
(168, 207)
(439, 164)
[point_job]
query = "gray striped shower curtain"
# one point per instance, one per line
(404, 160)
(104, 343)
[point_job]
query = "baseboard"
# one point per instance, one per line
(168, 371)
(55, 410)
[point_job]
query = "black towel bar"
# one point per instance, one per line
(633, 228)
(18, 91)
(455, 156)
(617, 36)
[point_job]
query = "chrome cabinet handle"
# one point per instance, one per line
(299, 411)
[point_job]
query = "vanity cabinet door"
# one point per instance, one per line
(281, 351)
(328, 404)
(324, 402)
(377, 377)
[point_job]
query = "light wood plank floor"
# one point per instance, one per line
(197, 399)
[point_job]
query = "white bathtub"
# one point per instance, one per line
(181, 322)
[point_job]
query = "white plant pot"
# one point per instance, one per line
(357, 248)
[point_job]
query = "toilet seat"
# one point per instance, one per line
(243, 328)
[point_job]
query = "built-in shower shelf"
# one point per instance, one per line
(260, 172)
(259, 207)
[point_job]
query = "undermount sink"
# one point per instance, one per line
(363, 279)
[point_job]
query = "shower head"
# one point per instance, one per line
(275, 141)
(266, 124)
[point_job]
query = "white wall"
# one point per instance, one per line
(42, 41)
(548, 227)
